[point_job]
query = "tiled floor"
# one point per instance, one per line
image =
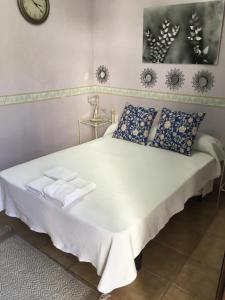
(182, 263)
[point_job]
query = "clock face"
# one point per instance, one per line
(34, 11)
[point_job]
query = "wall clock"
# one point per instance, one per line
(34, 11)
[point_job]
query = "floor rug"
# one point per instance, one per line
(28, 274)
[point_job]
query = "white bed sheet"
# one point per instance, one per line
(138, 190)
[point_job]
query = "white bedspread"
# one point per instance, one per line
(138, 189)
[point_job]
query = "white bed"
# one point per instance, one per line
(139, 188)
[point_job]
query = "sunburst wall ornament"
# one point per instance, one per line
(102, 74)
(203, 81)
(148, 78)
(175, 79)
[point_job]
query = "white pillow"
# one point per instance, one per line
(111, 129)
(209, 144)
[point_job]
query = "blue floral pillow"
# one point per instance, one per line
(135, 124)
(177, 131)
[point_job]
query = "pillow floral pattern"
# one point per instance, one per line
(177, 131)
(135, 124)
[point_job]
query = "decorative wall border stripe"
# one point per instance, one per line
(180, 98)
(42, 96)
(171, 97)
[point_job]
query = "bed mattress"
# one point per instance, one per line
(139, 188)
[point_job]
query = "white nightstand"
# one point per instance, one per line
(222, 183)
(93, 124)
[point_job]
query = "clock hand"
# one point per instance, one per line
(39, 6)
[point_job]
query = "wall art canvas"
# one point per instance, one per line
(183, 34)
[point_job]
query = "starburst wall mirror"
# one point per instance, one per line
(203, 81)
(148, 78)
(102, 74)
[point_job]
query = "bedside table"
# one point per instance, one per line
(93, 124)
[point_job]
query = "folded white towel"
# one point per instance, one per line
(64, 193)
(36, 187)
(61, 173)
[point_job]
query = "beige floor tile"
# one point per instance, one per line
(13, 222)
(221, 211)
(24, 231)
(146, 287)
(218, 227)
(210, 251)
(86, 271)
(2, 222)
(163, 261)
(93, 296)
(222, 201)
(180, 237)
(65, 259)
(176, 294)
(198, 280)
(208, 206)
(34, 238)
(194, 221)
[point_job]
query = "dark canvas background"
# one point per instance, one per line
(181, 51)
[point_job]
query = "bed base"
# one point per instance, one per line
(199, 198)
(138, 261)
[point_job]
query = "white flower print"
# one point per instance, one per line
(123, 127)
(146, 133)
(135, 132)
(182, 129)
(189, 143)
(167, 124)
(194, 130)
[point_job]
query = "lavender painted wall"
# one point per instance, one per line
(54, 55)
(118, 43)
(31, 130)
